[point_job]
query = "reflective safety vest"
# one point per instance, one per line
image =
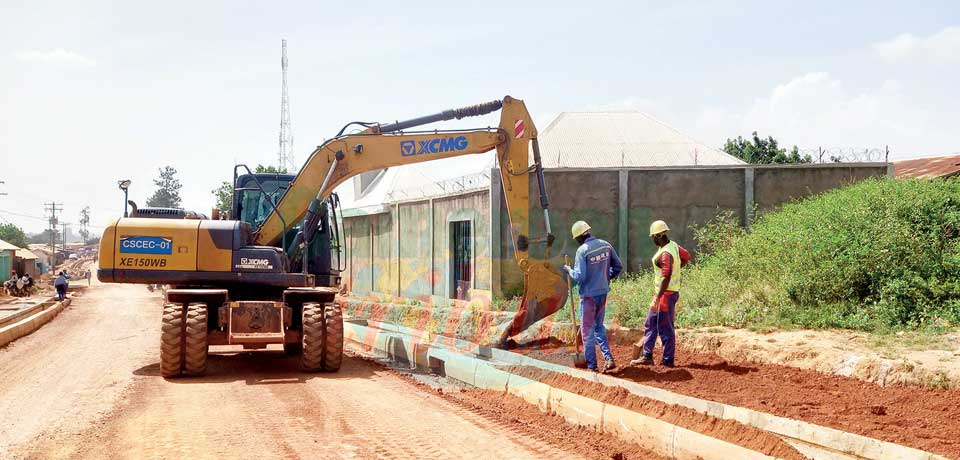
(675, 278)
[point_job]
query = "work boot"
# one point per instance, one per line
(609, 366)
(645, 360)
(666, 363)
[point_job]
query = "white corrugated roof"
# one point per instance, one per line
(4, 246)
(572, 140)
(622, 140)
(26, 254)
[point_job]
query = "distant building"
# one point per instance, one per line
(928, 168)
(28, 262)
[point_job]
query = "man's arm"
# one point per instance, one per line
(579, 266)
(684, 257)
(615, 265)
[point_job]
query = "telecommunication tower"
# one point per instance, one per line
(286, 135)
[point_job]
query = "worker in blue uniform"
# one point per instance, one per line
(595, 265)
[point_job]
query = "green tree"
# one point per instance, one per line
(224, 193)
(84, 223)
(168, 190)
(763, 151)
(42, 237)
(13, 235)
(224, 196)
(270, 169)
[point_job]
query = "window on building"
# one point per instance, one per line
(461, 268)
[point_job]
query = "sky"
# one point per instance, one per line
(96, 91)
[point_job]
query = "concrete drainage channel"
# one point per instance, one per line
(485, 368)
(27, 320)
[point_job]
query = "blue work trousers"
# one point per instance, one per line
(592, 309)
(660, 323)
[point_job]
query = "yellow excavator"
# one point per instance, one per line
(270, 276)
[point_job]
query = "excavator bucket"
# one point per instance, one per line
(544, 293)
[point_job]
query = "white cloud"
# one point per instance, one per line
(941, 47)
(818, 110)
(57, 56)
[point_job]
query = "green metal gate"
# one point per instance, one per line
(5, 265)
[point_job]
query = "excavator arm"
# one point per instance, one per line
(383, 146)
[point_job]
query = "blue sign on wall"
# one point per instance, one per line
(146, 245)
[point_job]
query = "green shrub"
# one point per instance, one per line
(879, 254)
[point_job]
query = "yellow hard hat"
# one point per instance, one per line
(579, 228)
(658, 226)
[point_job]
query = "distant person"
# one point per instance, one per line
(87, 274)
(595, 265)
(27, 284)
(61, 284)
(669, 259)
(11, 283)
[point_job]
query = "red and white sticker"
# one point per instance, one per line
(518, 128)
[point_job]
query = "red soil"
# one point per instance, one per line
(727, 430)
(922, 418)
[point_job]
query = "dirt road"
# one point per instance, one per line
(87, 386)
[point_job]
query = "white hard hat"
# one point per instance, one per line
(579, 228)
(657, 227)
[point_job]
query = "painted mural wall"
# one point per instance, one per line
(390, 253)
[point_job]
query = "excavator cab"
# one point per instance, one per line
(255, 197)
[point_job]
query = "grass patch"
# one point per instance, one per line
(881, 255)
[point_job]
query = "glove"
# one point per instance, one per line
(567, 269)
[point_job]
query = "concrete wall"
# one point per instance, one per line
(621, 204)
(406, 252)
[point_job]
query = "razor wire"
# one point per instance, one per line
(467, 183)
(847, 154)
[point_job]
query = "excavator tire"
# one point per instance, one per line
(171, 340)
(313, 338)
(195, 350)
(333, 340)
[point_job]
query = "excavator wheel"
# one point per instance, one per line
(195, 341)
(333, 340)
(171, 340)
(313, 338)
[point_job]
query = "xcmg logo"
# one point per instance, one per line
(438, 145)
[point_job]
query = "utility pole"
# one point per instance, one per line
(64, 226)
(53, 208)
(286, 136)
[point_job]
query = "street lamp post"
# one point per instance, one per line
(125, 186)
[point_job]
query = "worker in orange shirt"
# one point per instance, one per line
(668, 262)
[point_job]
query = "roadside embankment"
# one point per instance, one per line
(29, 319)
(922, 418)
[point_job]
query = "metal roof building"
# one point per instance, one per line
(622, 140)
(928, 168)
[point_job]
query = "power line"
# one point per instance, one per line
(22, 215)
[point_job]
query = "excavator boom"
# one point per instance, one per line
(240, 272)
(384, 146)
